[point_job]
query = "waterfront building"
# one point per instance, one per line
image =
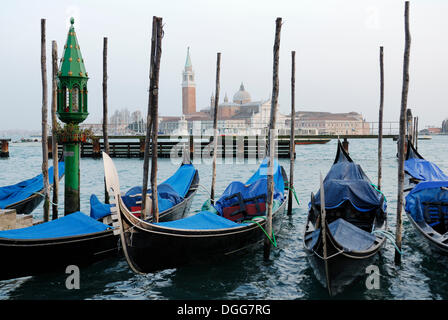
(351, 123)
(240, 116)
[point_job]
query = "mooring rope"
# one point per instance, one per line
(295, 194)
(390, 237)
(206, 190)
(376, 188)
(43, 196)
(273, 241)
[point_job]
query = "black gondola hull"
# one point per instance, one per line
(344, 269)
(433, 240)
(433, 243)
(31, 257)
(158, 248)
(337, 266)
(28, 205)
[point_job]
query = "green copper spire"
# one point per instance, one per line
(72, 63)
(72, 82)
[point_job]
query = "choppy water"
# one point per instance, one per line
(286, 276)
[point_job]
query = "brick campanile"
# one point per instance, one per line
(188, 87)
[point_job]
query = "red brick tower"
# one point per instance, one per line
(188, 87)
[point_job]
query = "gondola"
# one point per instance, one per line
(174, 197)
(426, 207)
(233, 225)
(354, 225)
(418, 169)
(426, 202)
(26, 195)
(79, 239)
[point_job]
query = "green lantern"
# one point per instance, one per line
(72, 109)
(72, 82)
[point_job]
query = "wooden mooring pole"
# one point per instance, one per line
(43, 60)
(345, 145)
(148, 123)
(154, 94)
(54, 124)
(105, 116)
(4, 151)
(271, 139)
(292, 146)
(416, 133)
(402, 136)
(380, 120)
(215, 128)
(409, 126)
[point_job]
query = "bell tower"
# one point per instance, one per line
(188, 87)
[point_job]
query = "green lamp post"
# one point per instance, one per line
(72, 110)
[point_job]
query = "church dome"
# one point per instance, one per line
(242, 96)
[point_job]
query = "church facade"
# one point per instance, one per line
(243, 116)
(240, 116)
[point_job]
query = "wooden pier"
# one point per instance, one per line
(228, 146)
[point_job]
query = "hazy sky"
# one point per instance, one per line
(337, 59)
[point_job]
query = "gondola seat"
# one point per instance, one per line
(243, 208)
(239, 199)
(436, 215)
(428, 203)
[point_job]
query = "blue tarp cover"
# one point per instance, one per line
(346, 181)
(22, 190)
(255, 186)
(429, 191)
(349, 236)
(203, 220)
(169, 193)
(424, 170)
(262, 172)
(98, 209)
(76, 223)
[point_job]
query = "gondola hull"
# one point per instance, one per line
(433, 240)
(153, 248)
(343, 268)
(338, 235)
(31, 257)
(28, 205)
(36, 256)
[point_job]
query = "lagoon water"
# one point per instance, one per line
(288, 275)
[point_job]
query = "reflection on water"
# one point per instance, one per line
(287, 275)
